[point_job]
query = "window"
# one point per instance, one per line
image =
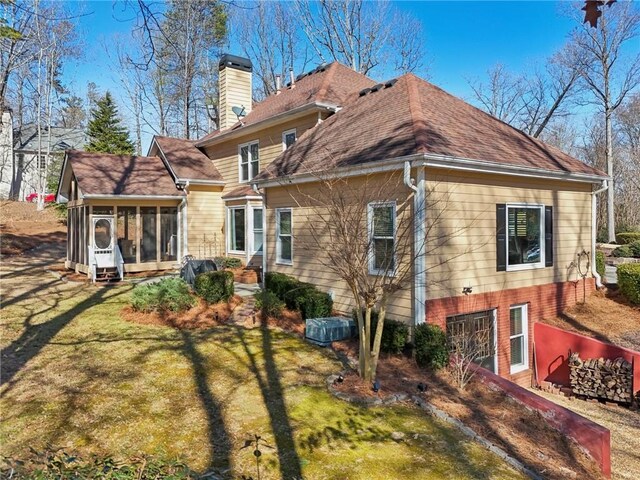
(524, 236)
(473, 335)
(518, 338)
(236, 229)
(249, 161)
(168, 233)
(382, 230)
(43, 162)
(149, 234)
(126, 228)
(284, 240)
(257, 230)
(288, 138)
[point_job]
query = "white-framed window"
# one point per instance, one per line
(525, 236)
(284, 236)
(248, 161)
(236, 235)
(518, 337)
(288, 138)
(42, 163)
(382, 237)
(258, 212)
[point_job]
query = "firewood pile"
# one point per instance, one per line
(600, 378)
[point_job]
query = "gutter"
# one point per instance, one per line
(185, 224)
(195, 181)
(133, 197)
(594, 271)
(244, 130)
(419, 242)
(263, 196)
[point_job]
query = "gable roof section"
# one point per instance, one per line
(61, 138)
(332, 84)
(186, 161)
(101, 174)
(409, 117)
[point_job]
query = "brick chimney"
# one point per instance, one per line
(234, 82)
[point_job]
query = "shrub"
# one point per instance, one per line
(635, 248)
(600, 265)
(269, 304)
(627, 237)
(227, 262)
(395, 334)
(279, 283)
(169, 294)
(214, 287)
(297, 295)
(622, 251)
(315, 304)
(430, 344)
(629, 281)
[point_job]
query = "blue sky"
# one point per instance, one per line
(463, 39)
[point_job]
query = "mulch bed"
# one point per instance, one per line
(519, 431)
(202, 315)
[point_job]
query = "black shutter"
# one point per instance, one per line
(501, 236)
(548, 236)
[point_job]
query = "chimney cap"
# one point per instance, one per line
(233, 61)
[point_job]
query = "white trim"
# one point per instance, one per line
(250, 160)
(495, 341)
(245, 197)
(284, 137)
(526, 266)
(252, 231)
(230, 230)
(525, 336)
(134, 197)
(279, 259)
(420, 245)
(195, 181)
(370, 207)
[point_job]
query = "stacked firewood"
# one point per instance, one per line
(600, 378)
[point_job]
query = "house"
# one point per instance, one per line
(527, 208)
(21, 168)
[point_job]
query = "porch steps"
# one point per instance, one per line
(107, 274)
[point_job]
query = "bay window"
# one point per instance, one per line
(257, 230)
(237, 228)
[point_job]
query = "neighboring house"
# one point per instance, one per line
(21, 169)
(528, 206)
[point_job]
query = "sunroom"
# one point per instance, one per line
(123, 214)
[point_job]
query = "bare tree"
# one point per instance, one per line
(466, 348)
(362, 231)
(363, 35)
(610, 74)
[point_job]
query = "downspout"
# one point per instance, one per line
(594, 271)
(419, 241)
(185, 224)
(264, 230)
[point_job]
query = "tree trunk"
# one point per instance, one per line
(375, 352)
(611, 222)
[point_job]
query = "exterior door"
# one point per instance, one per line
(103, 240)
(475, 333)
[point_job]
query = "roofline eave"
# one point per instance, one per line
(109, 196)
(267, 121)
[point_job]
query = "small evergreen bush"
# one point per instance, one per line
(629, 281)
(214, 287)
(227, 262)
(169, 294)
(430, 346)
(600, 263)
(627, 237)
(279, 283)
(635, 248)
(395, 334)
(315, 304)
(269, 304)
(300, 296)
(622, 251)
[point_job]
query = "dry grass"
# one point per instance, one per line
(76, 375)
(24, 228)
(606, 316)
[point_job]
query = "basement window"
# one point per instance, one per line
(249, 161)
(518, 338)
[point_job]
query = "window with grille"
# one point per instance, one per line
(249, 161)
(284, 236)
(518, 338)
(382, 232)
(288, 138)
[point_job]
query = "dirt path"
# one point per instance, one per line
(624, 425)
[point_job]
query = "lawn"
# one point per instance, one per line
(77, 376)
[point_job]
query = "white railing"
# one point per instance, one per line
(119, 262)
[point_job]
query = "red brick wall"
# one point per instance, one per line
(543, 301)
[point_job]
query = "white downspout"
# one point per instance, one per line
(264, 230)
(594, 272)
(185, 223)
(419, 241)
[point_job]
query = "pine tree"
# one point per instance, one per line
(105, 131)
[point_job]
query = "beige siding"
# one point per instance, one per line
(225, 155)
(461, 226)
(309, 262)
(205, 217)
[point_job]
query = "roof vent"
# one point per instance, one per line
(364, 91)
(390, 83)
(377, 87)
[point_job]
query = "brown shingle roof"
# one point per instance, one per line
(105, 174)
(411, 117)
(332, 84)
(186, 161)
(242, 191)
